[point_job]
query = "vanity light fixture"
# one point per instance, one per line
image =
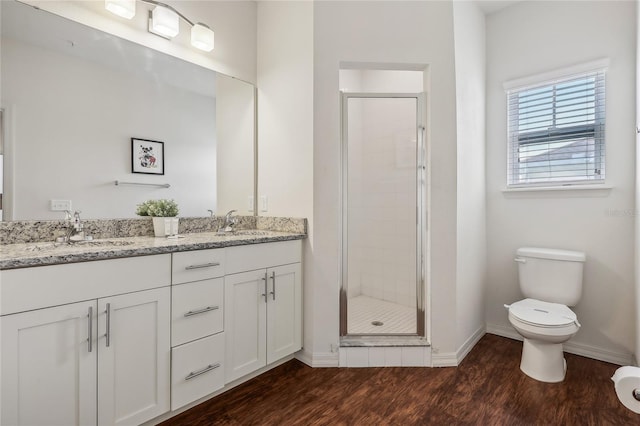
(164, 21)
(123, 8)
(202, 37)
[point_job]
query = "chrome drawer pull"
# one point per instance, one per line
(203, 265)
(90, 338)
(204, 370)
(265, 279)
(273, 279)
(108, 333)
(202, 311)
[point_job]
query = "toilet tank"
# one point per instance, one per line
(551, 275)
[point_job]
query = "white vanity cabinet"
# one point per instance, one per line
(126, 341)
(133, 344)
(49, 371)
(263, 305)
(197, 323)
(102, 356)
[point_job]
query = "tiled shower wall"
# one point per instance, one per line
(382, 200)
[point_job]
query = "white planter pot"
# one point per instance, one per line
(165, 226)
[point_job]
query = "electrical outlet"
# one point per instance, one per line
(250, 205)
(60, 205)
(264, 203)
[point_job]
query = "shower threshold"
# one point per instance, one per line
(382, 340)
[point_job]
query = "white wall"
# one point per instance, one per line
(285, 105)
(285, 123)
(471, 269)
(382, 32)
(600, 223)
(233, 23)
(71, 130)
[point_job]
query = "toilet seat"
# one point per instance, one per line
(543, 314)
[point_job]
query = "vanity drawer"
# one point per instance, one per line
(197, 310)
(260, 256)
(196, 370)
(197, 265)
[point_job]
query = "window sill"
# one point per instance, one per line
(596, 190)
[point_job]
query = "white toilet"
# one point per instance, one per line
(551, 279)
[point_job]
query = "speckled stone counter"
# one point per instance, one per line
(26, 244)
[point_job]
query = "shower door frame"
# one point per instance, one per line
(421, 210)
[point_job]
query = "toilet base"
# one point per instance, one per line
(543, 361)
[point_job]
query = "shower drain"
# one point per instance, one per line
(377, 323)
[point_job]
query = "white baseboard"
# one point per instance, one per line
(601, 354)
(503, 331)
(318, 359)
(453, 359)
(304, 357)
(466, 347)
(444, 359)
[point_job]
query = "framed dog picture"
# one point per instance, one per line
(147, 156)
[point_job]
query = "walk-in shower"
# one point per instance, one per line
(383, 210)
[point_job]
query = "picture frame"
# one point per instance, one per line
(147, 156)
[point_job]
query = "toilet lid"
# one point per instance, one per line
(541, 313)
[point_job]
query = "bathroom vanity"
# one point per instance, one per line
(130, 330)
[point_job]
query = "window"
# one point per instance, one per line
(556, 131)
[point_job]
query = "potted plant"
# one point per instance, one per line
(163, 213)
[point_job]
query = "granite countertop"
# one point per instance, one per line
(24, 255)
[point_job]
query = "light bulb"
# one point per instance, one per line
(123, 8)
(164, 22)
(202, 37)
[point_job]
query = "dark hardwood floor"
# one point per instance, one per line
(488, 388)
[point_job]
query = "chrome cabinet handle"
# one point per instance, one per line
(201, 311)
(204, 370)
(108, 333)
(90, 338)
(520, 260)
(265, 279)
(202, 265)
(273, 279)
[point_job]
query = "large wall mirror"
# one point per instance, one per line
(72, 98)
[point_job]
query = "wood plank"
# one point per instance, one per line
(488, 388)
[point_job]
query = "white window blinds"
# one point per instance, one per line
(556, 131)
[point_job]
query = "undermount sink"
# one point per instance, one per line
(84, 243)
(100, 243)
(247, 232)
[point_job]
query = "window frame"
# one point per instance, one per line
(557, 134)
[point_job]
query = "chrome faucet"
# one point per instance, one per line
(75, 226)
(229, 222)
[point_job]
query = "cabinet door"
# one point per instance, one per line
(284, 311)
(134, 357)
(49, 366)
(244, 323)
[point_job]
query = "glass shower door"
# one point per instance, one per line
(383, 187)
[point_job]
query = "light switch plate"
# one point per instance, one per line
(264, 203)
(250, 205)
(60, 205)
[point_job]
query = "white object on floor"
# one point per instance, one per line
(551, 279)
(627, 382)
